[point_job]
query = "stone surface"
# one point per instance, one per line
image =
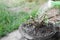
(12, 36)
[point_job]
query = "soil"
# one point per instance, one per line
(37, 30)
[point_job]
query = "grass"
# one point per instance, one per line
(10, 21)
